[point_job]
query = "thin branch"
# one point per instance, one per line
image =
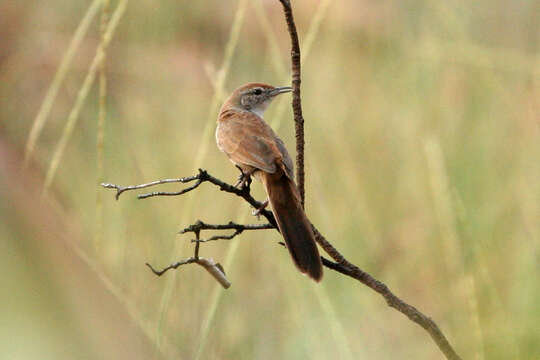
(201, 177)
(296, 99)
(165, 193)
(213, 268)
(197, 245)
(175, 265)
(238, 229)
(121, 189)
(352, 270)
(341, 264)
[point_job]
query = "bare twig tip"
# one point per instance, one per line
(153, 270)
(341, 264)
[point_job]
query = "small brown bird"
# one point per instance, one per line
(251, 144)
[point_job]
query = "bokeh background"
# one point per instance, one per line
(422, 162)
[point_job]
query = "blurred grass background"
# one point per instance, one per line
(422, 163)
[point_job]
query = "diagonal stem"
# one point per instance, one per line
(82, 95)
(296, 100)
(341, 264)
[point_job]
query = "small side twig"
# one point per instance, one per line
(175, 265)
(201, 177)
(184, 180)
(238, 229)
(341, 264)
(213, 268)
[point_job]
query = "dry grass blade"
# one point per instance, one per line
(205, 138)
(305, 49)
(336, 327)
(65, 64)
(471, 54)
(101, 126)
(81, 96)
(275, 51)
(128, 304)
(214, 105)
(219, 84)
(216, 296)
(314, 27)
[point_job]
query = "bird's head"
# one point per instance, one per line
(255, 97)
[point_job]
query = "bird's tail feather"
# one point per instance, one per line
(293, 224)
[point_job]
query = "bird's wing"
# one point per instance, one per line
(248, 140)
(286, 159)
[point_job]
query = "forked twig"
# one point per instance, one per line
(238, 229)
(121, 189)
(213, 268)
(340, 263)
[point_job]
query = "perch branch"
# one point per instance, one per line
(202, 177)
(238, 229)
(351, 269)
(213, 268)
(340, 263)
(296, 99)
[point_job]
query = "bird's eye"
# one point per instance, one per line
(257, 92)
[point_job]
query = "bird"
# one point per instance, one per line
(253, 147)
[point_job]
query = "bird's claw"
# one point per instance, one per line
(244, 181)
(257, 212)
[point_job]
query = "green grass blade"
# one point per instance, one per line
(217, 294)
(82, 94)
(305, 49)
(205, 141)
(65, 64)
(100, 136)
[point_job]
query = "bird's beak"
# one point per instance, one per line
(280, 90)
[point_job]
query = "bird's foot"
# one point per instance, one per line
(244, 181)
(257, 212)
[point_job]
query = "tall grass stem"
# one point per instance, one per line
(82, 94)
(58, 79)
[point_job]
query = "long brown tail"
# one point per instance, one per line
(293, 224)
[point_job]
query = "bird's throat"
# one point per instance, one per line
(259, 112)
